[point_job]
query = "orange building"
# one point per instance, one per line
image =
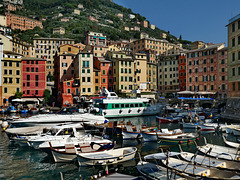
(21, 22)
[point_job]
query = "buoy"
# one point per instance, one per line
(5, 124)
(180, 142)
(198, 139)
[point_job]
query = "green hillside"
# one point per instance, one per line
(102, 10)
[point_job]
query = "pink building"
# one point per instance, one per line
(94, 38)
(206, 69)
(33, 77)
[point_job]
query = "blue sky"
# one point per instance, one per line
(195, 20)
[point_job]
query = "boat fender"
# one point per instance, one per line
(189, 141)
(180, 142)
(5, 124)
(197, 139)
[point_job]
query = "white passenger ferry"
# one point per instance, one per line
(110, 106)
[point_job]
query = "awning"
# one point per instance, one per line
(186, 92)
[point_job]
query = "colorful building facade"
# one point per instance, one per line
(33, 77)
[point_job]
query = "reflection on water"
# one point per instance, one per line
(26, 163)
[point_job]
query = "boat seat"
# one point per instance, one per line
(85, 147)
(70, 148)
(164, 130)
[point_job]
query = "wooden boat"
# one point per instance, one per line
(199, 171)
(178, 139)
(210, 162)
(68, 153)
(167, 119)
(130, 133)
(112, 156)
(153, 134)
(231, 144)
(220, 152)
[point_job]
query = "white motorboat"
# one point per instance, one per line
(54, 119)
(25, 131)
(58, 132)
(84, 138)
(112, 156)
(111, 106)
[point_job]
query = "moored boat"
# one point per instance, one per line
(112, 156)
(230, 143)
(220, 152)
(69, 152)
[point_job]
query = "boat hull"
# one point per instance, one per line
(131, 135)
(113, 156)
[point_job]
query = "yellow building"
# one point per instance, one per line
(11, 75)
(99, 51)
(157, 45)
(18, 46)
(113, 48)
(141, 80)
(83, 69)
(46, 48)
(123, 71)
(152, 76)
(234, 56)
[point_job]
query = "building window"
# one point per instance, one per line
(223, 61)
(104, 72)
(5, 80)
(204, 61)
(233, 57)
(233, 85)
(28, 84)
(233, 71)
(89, 89)
(5, 90)
(10, 64)
(84, 90)
(17, 89)
(233, 27)
(5, 63)
(83, 79)
(36, 77)
(32, 62)
(36, 69)
(36, 84)
(223, 87)
(64, 71)
(88, 79)
(28, 92)
(68, 91)
(233, 42)
(36, 92)
(32, 69)
(27, 69)
(5, 71)
(104, 80)
(28, 77)
(212, 68)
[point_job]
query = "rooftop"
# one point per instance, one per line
(234, 19)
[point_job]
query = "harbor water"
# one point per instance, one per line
(26, 163)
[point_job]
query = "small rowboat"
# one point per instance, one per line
(231, 144)
(199, 171)
(68, 153)
(220, 152)
(112, 156)
(210, 162)
(178, 139)
(167, 120)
